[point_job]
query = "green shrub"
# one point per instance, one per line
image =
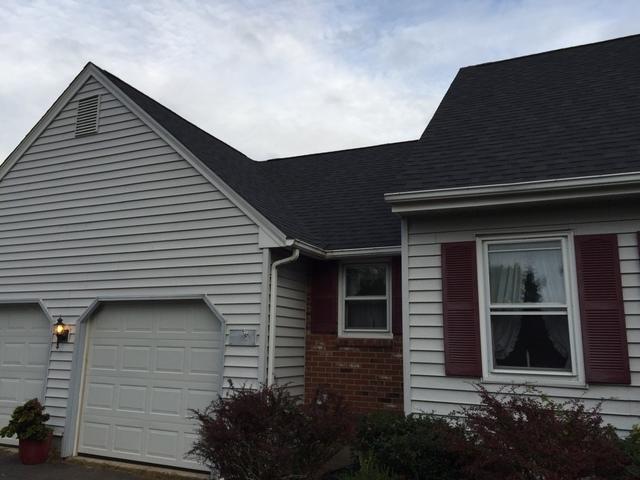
(631, 445)
(370, 470)
(416, 447)
(28, 422)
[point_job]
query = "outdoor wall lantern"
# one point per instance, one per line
(61, 332)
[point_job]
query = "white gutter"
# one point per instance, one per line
(316, 252)
(515, 193)
(273, 300)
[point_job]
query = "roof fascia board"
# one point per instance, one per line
(514, 193)
(269, 228)
(323, 254)
(46, 119)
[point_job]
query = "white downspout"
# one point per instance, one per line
(273, 300)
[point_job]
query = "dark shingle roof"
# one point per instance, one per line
(566, 113)
(332, 200)
(338, 196)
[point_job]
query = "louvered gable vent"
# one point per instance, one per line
(87, 118)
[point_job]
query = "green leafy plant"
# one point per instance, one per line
(370, 470)
(28, 422)
(631, 445)
(266, 434)
(415, 447)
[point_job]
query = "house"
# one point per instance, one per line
(502, 246)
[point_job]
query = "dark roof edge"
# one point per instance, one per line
(112, 76)
(330, 152)
(561, 49)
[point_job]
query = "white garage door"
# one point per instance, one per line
(147, 365)
(25, 343)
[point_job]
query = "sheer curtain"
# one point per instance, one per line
(505, 331)
(529, 275)
(508, 272)
(558, 332)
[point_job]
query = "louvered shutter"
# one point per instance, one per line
(324, 297)
(604, 334)
(460, 308)
(396, 296)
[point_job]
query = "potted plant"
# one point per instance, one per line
(28, 425)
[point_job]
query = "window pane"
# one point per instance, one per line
(366, 280)
(529, 272)
(531, 341)
(365, 315)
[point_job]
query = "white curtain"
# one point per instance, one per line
(505, 331)
(508, 272)
(506, 283)
(558, 332)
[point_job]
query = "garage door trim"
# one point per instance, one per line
(71, 437)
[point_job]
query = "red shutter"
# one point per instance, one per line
(602, 309)
(396, 296)
(324, 297)
(460, 308)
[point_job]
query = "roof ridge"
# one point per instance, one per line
(555, 50)
(328, 152)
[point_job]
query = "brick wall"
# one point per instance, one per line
(366, 372)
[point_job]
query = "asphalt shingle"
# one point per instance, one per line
(561, 114)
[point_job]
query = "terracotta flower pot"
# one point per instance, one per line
(33, 452)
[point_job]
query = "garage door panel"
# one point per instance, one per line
(37, 354)
(145, 371)
(25, 346)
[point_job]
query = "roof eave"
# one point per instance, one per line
(522, 193)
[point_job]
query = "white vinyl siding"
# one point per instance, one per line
(120, 213)
(429, 389)
(291, 314)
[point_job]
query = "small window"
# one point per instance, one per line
(365, 289)
(529, 315)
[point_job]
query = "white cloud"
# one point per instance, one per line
(281, 78)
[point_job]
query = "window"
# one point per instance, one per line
(529, 322)
(366, 298)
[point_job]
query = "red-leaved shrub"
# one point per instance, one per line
(267, 434)
(523, 435)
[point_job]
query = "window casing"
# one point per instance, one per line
(365, 300)
(529, 325)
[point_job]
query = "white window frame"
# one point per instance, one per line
(492, 374)
(342, 298)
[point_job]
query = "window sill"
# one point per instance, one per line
(372, 342)
(543, 382)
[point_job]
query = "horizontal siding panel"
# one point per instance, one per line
(430, 389)
(62, 168)
(219, 236)
(126, 175)
(119, 144)
(291, 313)
(121, 214)
(128, 224)
(175, 187)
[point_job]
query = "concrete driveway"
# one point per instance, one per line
(12, 469)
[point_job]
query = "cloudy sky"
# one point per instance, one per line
(282, 78)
